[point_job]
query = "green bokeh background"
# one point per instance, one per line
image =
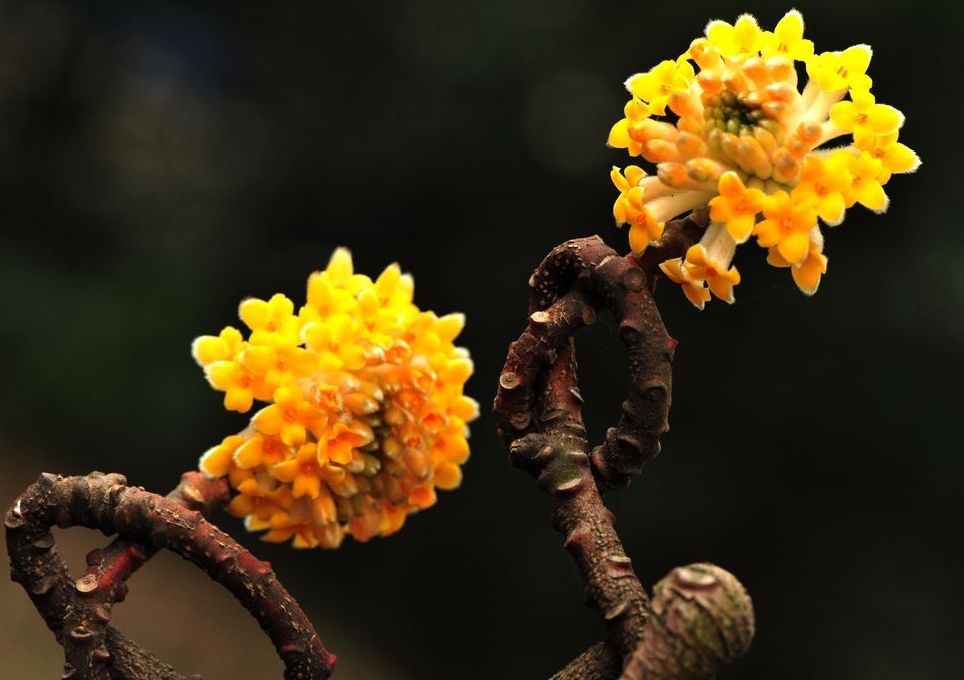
(163, 160)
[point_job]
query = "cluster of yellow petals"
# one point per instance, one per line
(363, 412)
(725, 125)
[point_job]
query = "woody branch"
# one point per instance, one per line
(78, 611)
(538, 412)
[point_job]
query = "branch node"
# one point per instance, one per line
(44, 542)
(86, 583)
(81, 633)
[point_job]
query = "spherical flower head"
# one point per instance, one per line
(772, 160)
(362, 413)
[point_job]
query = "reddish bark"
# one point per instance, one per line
(538, 413)
(78, 611)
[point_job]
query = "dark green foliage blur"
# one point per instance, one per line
(160, 161)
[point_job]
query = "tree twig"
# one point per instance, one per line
(77, 613)
(538, 413)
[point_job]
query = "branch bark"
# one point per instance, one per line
(538, 413)
(78, 610)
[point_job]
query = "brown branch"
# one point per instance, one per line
(677, 237)
(538, 413)
(142, 519)
(607, 282)
(105, 582)
(557, 458)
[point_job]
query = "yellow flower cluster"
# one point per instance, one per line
(364, 416)
(740, 137)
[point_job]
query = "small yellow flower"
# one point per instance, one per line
(335, 342)
(216, 461)
(659, 83)
(240, 386)
(629, 209)
(806, 274)
(865, 118)
(365, 414)
(822, 184)
(894, 156)
(787, 39)
(736, 133)
(290, 417)
(865, 187)
(268, 320)
(259, 450)
(306, 471)
(743, 38)
(706, 268)
(835, 71)
(736, 206)
(278, 364)
(623, 134)
(786, 226)
(225, 346)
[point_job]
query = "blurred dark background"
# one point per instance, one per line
(159, 161)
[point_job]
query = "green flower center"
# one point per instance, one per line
(729, 112)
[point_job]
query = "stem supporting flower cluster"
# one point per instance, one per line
(538, 412)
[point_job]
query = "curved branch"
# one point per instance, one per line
(104, 502)
(557, 458)
(604, 281)
(538, 413)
